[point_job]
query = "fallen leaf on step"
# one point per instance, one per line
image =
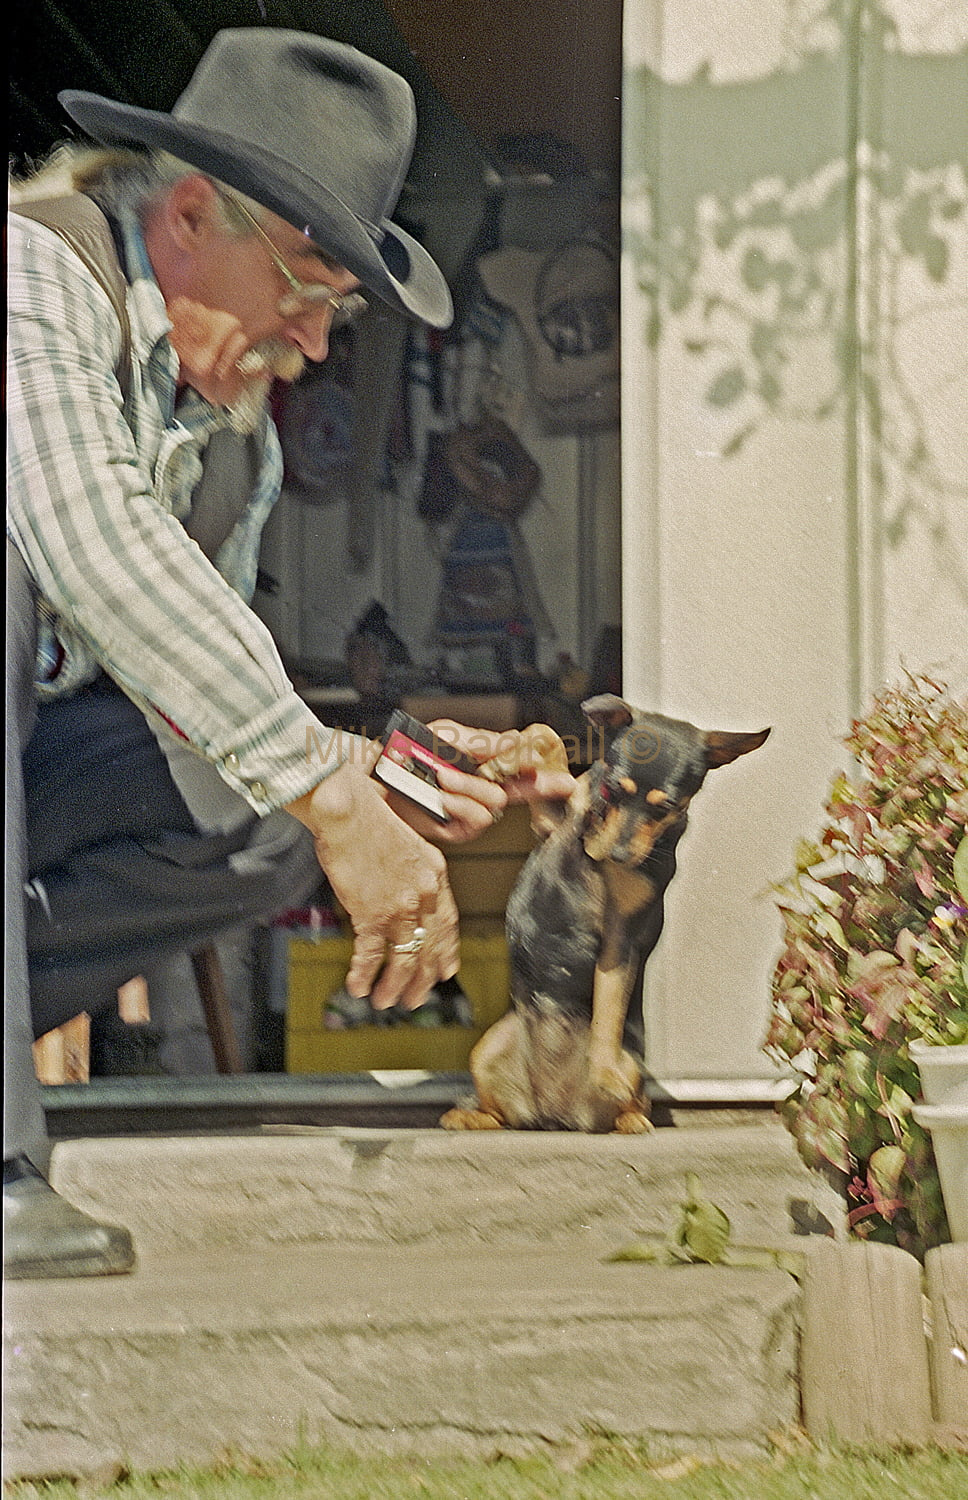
(679, 1468)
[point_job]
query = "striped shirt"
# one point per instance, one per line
(99, 483)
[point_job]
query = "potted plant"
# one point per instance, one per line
(875, 958)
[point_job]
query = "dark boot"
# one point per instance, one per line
(44, 1236)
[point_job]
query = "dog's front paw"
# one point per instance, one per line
(633, 1122)
(611, 1083)
(469, 1119)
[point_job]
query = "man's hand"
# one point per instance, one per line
(209, 345)
(530, 765)
(390, 881)
(471, 803)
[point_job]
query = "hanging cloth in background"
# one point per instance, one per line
(493, 467)
(481, 599)
(482, 478)
(317, 421)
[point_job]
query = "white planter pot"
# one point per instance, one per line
(948, 1124)
(942, 1069)
(944, 1083)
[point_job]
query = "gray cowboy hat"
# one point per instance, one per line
(309, 128)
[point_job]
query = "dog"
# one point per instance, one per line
(582, 919)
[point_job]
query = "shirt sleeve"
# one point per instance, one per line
(113, 565)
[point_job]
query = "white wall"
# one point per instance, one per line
(794, 417)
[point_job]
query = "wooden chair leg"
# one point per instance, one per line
(63, 1055)
(215, 1003)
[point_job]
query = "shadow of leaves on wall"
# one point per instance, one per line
(804, 236)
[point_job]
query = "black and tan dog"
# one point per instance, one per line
(583, 917)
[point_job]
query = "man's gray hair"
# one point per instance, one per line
(123, 182)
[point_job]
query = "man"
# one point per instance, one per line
(166, 772)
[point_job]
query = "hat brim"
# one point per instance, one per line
(388, 261)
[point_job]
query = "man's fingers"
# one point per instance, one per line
(409, 973)
(402, 974)
(368, 952)
(475, 788)
(400, 941)
(389, 881)
(209, 345)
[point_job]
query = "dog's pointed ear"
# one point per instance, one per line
(723, 746)
(608, 711)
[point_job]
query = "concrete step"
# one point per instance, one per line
(406, 1290)
(355, 1186)
(393, 1348)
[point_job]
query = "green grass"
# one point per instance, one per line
(589, 1469)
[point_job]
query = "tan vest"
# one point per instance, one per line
(230, 466)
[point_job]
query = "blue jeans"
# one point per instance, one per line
(107, 873)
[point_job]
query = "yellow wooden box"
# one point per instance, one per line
(318, 969)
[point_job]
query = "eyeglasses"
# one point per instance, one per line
(304, 296)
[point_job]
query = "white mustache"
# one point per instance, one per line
(272, 360)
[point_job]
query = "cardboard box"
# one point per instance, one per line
(483, 872)
(318, 969)
(498, 711)
(367, 1049)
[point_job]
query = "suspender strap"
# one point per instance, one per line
(79, 221)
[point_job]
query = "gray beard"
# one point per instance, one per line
(263, 364)
(247, 414)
